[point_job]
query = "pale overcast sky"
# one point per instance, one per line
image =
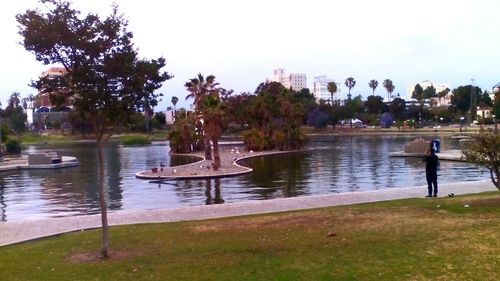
(241, 42)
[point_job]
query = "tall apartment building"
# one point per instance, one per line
(294, 81)
(320, 89)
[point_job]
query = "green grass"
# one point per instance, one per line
(34, 138)
(130, 140)
(399, 240)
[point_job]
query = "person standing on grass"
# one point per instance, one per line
(431, 164)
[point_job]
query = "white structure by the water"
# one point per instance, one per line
(320, 88)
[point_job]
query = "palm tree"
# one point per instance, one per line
(174, 101)
(332, 88)
(373, 84)
(389, 86)
(199, 88)
(212, 122)
(350, 83)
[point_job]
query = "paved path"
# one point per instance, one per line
(15, 232)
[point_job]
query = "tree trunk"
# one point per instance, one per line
(208, 148)
(496, 181)
(102, 203)
(216, 154)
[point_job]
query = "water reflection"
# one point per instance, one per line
(337, 164)
(216, 198)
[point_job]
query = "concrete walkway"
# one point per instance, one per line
(19, 231)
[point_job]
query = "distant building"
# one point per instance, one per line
(444, 101)
(43, 114)
(320, 89)
(484, 112)
(43, 98)
(294, 81)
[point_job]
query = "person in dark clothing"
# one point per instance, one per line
(431, 164)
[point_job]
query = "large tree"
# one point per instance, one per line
(464, 96)
(332, 89)
(373, 85)
(350, 83)
(389, 87)
(429, 92)
(375, 105)
(104, 76)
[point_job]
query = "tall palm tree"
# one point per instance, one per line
(389, 87)
(350, 83)
(212, 126)
(332, 88)
(174, 101)
(199, 88)
(373, 84)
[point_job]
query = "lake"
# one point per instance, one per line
(331, 165)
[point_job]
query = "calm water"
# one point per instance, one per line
(336, 164)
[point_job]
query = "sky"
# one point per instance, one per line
(241, 42)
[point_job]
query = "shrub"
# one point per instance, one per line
(13, 146)
(255, 140)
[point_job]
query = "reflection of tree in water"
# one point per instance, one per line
(113, 175)
(187, 190)
(285, 173)
(3, 206)
(75, 189)
(352, 158)
(217, 198)
(59, 192)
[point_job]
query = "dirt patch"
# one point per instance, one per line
(489, 202)
(93, 257)
(313, 219)
(267, 222)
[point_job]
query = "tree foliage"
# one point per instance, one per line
(483, 151)
(429, 92)
(104, 76)
(464, 95)
(350, 83)
(418, 93)
(373, 84)
(332, 89)
(389, 87)
(375, 105)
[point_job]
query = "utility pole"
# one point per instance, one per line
(471, 98)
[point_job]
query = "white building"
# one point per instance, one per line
(294, 81)
(320, 89)
(445, 101)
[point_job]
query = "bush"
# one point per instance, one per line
(136, 140)
(13, 146)
(255, 140)
(5, 132)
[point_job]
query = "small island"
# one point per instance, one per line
(44, 160)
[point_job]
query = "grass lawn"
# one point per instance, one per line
(415, 239)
